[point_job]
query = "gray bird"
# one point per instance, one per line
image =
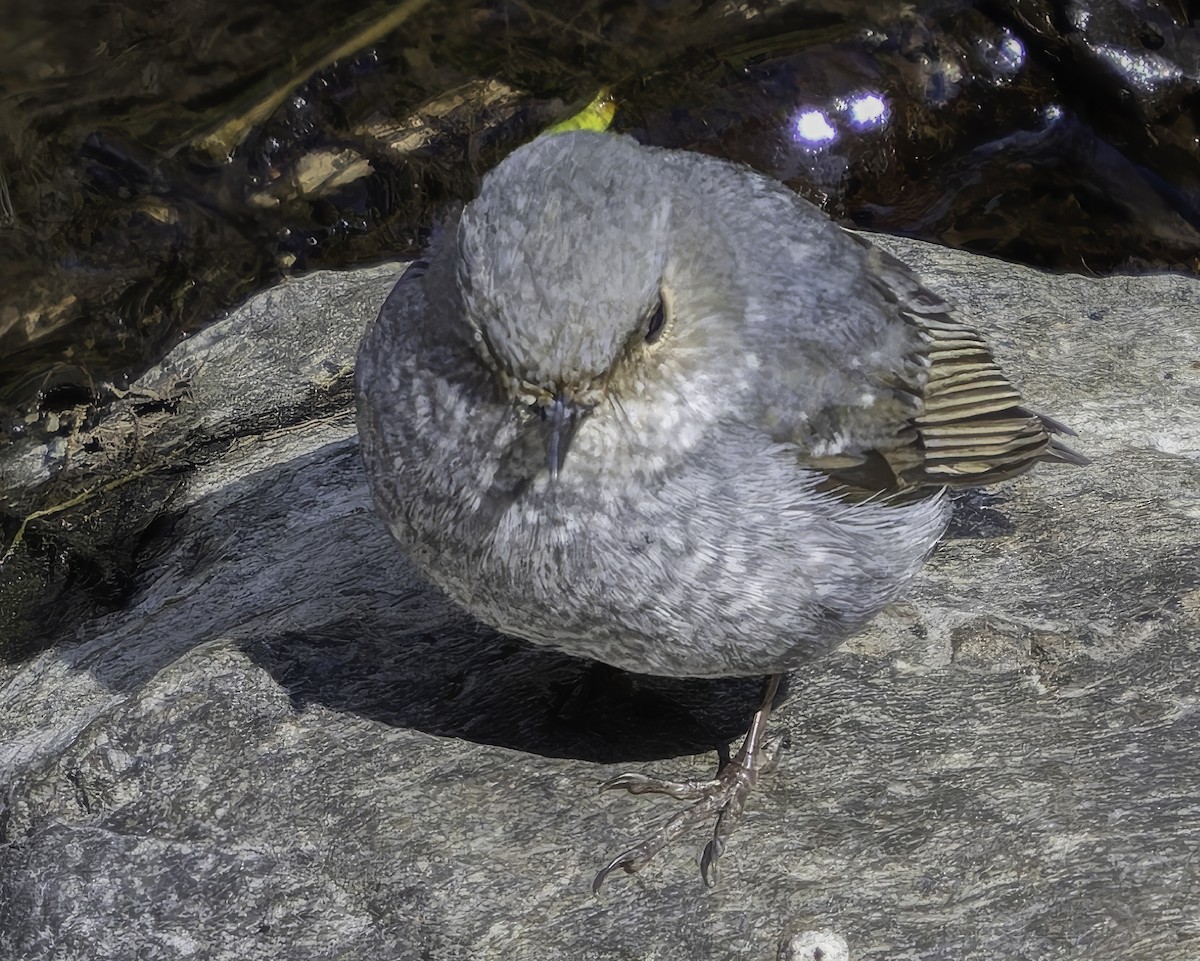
(651, 408)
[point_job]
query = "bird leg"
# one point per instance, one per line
(725, 796)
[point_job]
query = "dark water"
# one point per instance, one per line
(1062, 135)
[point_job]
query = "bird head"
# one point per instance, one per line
(560, 269)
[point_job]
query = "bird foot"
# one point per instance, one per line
(725, 796)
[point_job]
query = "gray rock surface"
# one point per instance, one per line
(284, 746)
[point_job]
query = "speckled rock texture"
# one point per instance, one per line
(285, 746)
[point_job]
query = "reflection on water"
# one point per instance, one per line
(813, 129)
(1006, 56)
(1145, 72)
(867, 110)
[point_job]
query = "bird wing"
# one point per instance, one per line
(972, 428)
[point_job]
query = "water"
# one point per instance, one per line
(123, 226)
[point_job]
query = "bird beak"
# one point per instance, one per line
(562, 420)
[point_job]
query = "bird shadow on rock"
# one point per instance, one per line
(484, 687)
(975, 515)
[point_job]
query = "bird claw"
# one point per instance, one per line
(626, 860)
(645, 784)
(724, 796)
(772, 751)
(708, 861)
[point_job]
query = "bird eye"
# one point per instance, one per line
(654, 327)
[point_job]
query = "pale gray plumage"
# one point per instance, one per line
(696, 527)
(651, 408)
